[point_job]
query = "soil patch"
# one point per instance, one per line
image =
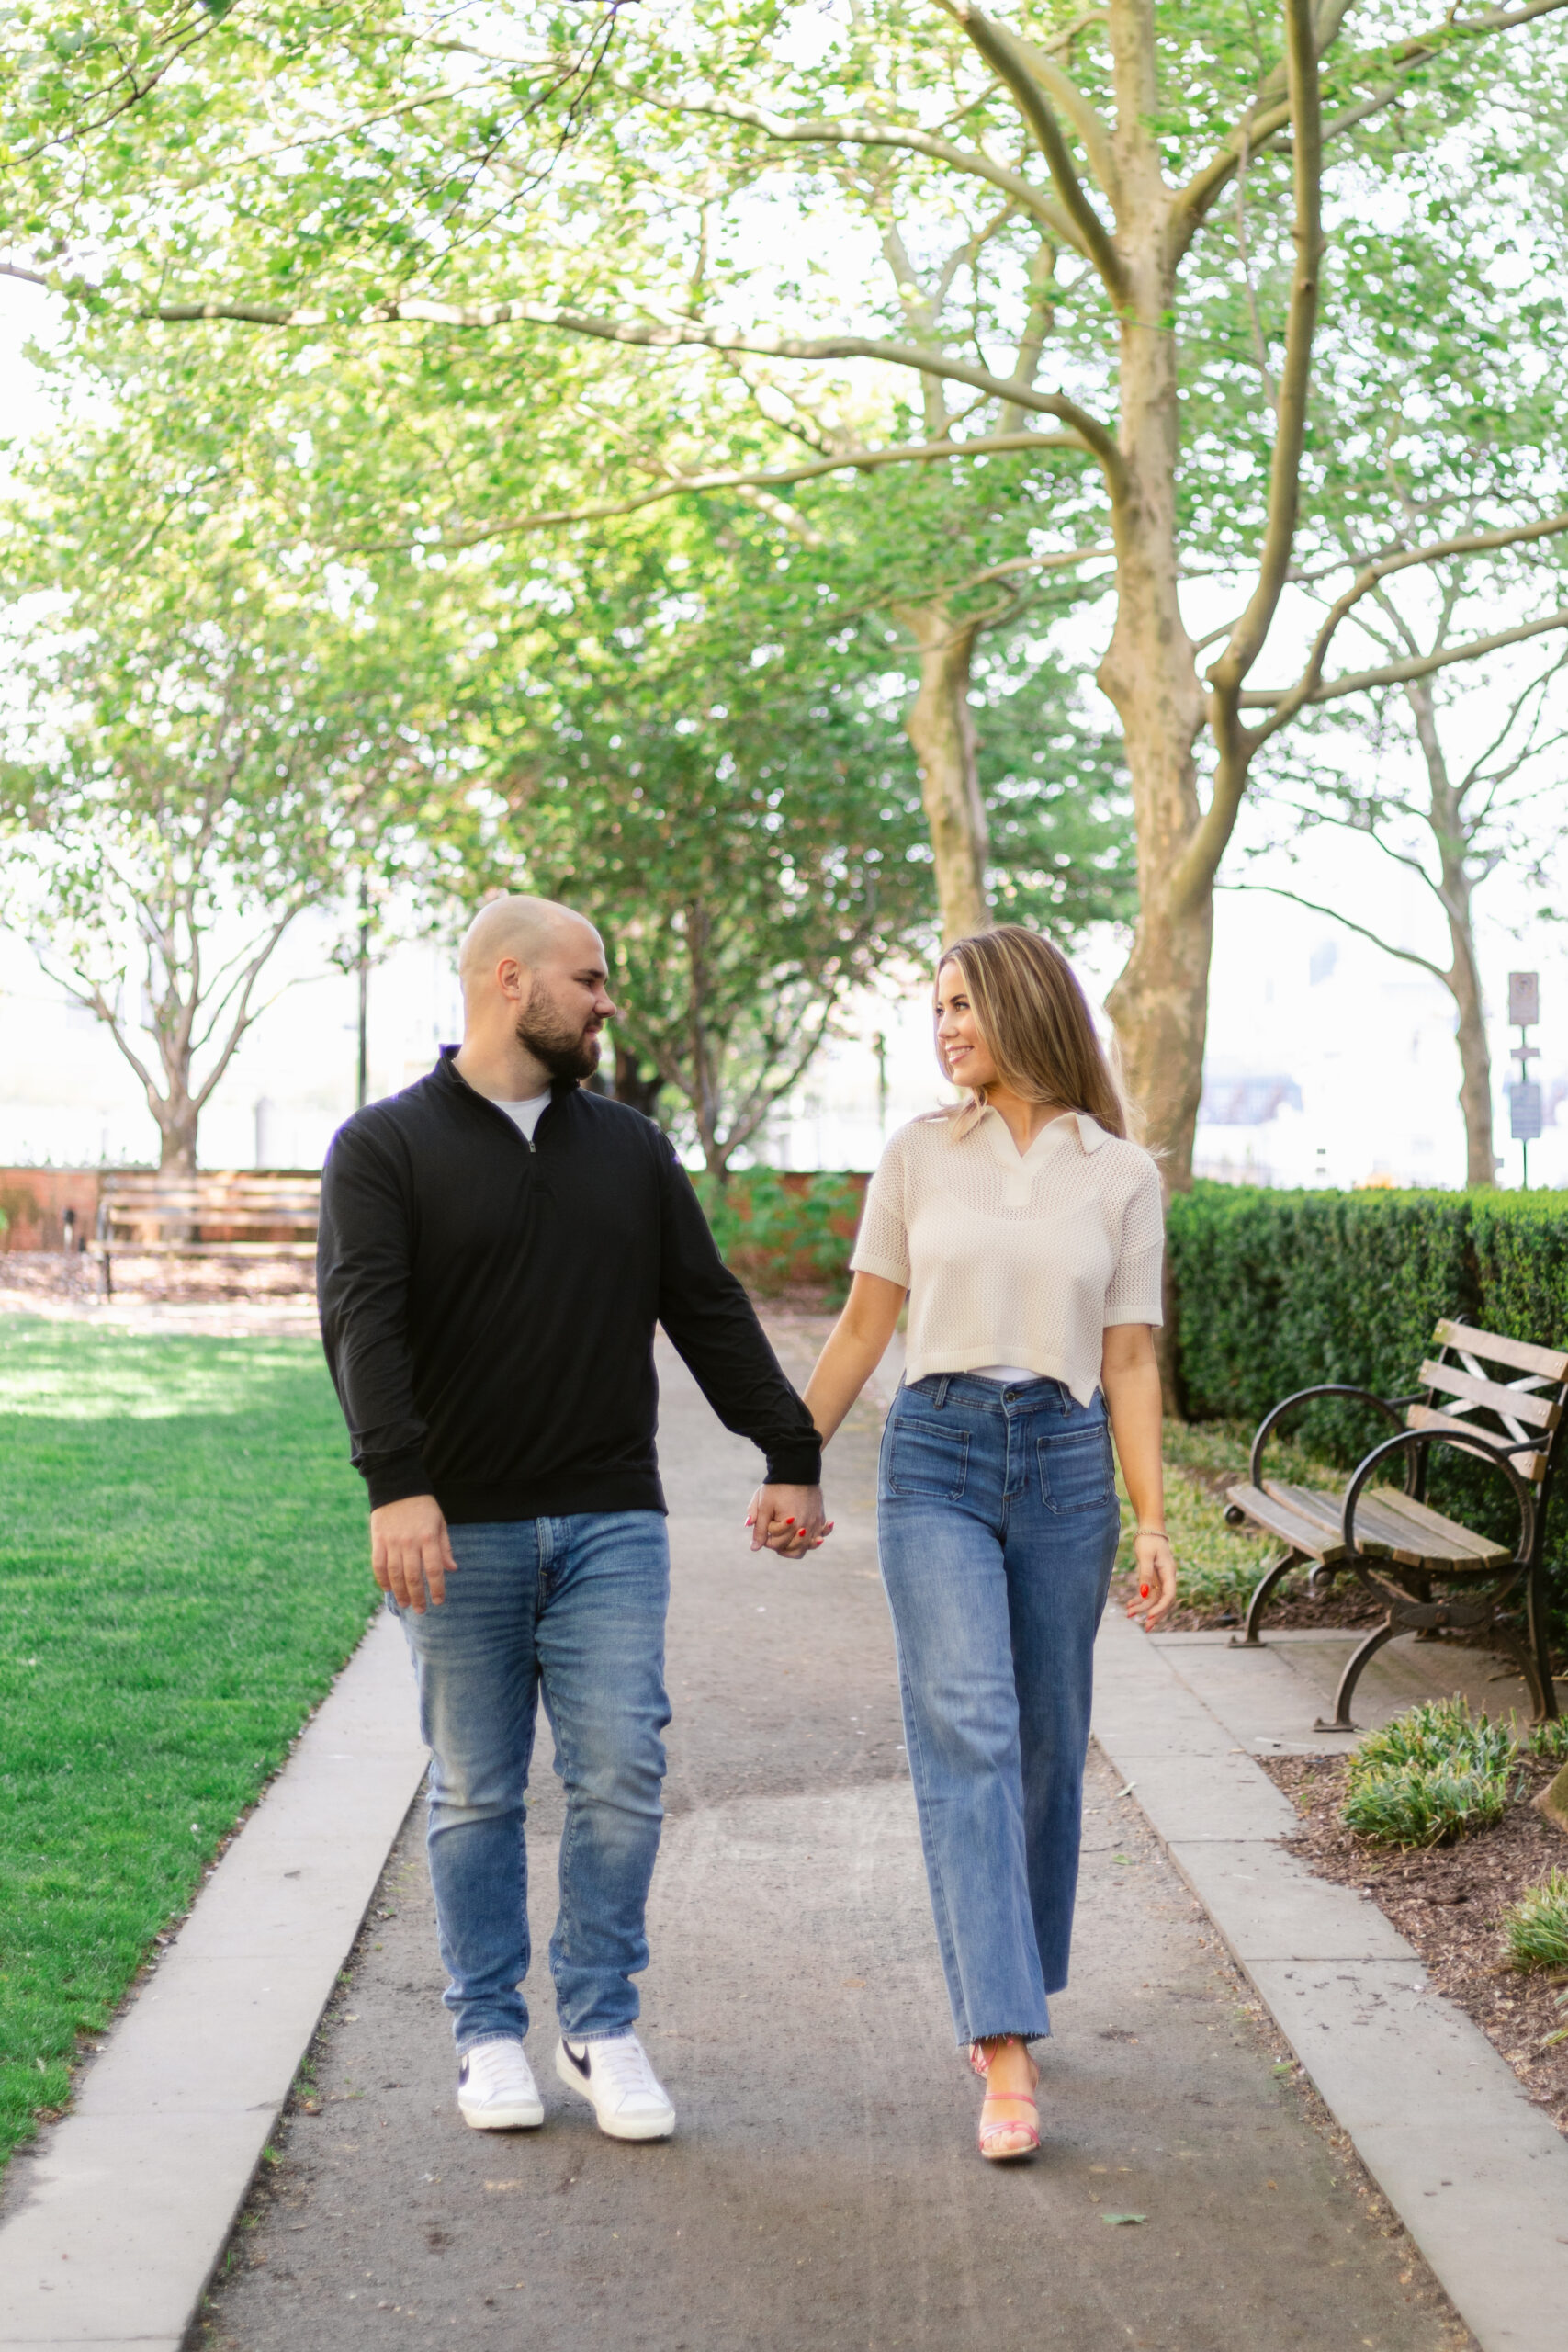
(1448, 1901)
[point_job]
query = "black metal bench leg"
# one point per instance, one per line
(1542, 1690)
(1353, 1675)
(1262, 1592)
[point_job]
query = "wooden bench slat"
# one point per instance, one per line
(1276, 1517)
(1427, 1417)
(250, 1221)
(1516, 1404)
(1551, 1363)
(1385, 1528)
(120, 1249)
(1388, 1526)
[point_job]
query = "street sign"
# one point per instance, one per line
(1524, 999)
(1524, 1109)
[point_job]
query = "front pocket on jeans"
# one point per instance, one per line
(930, 1458)
(1077, 1470)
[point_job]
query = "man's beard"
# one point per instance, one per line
(564, 1052)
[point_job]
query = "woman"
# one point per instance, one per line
(1025, 1230)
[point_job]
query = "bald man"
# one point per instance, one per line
(496, 1248)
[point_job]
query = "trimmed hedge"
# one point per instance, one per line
(1276, 1290)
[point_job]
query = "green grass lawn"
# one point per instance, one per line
(182, 1570)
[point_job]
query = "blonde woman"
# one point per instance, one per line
(1025, 1230)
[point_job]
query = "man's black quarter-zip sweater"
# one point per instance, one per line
(488, 1305)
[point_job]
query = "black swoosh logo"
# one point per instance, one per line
(581, 2064)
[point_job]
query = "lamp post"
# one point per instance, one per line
(1524, 1097)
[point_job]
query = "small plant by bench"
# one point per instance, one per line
(1535, 1929)
(1428, 1570)
(1430, 1776)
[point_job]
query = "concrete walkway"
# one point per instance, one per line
(823, 2190)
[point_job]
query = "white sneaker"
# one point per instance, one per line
(496, 2090)
(619, 2084)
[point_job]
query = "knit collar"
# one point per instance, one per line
(974, 1114)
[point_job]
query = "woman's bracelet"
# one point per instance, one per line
(1152, 1530)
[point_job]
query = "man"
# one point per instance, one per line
(496, 1247)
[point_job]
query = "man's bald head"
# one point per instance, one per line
(535, 997)
(533, 931)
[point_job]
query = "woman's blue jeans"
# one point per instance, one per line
(998, 1524)
(573, 1607)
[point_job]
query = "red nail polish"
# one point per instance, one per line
(1142, 1592)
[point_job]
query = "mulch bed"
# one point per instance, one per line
(1448, 1901)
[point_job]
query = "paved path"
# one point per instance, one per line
(823, 2191)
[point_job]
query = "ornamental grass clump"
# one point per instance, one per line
(1535, 1929)
(1433, 1774)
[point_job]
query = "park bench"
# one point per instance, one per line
(229, 1215)
(1425, 1571)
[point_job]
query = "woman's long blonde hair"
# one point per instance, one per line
(1033, 1015)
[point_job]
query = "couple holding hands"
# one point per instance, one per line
(497, 1246)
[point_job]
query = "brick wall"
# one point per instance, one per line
(34, 1201)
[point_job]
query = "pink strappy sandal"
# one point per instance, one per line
(1003, 2139)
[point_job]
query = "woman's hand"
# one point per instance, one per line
(1156, 1564)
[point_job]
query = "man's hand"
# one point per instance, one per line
(788, 1520)
(411, 1553)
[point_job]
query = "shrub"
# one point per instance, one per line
(1433, 1774)
(1536, 1927)
(1550, 1741)
(774, 1231)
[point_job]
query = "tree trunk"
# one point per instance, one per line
(1160, 1002)
(634, 1085)
(941, 727)
(176, 1131)
(1463, 976)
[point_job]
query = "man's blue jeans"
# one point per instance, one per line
(573, 1607)
(998, 1524)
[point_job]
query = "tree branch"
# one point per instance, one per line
(1008, 59)
(1198, 195)
(848, 132)
(1397, 674)
(680, 485)
(1291, 406)
(675, 334)
(1285, 704)
(1315, 906)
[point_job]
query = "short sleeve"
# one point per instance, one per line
(882, 1245)
(1136, 1292)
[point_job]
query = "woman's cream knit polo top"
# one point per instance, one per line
(1010, 1257)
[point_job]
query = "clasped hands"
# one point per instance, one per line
(788, 1520)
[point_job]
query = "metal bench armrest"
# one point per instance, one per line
(1411, 1441)
(1329, 1388)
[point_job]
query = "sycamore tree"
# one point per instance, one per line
(203, 749)
(1120, 246)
